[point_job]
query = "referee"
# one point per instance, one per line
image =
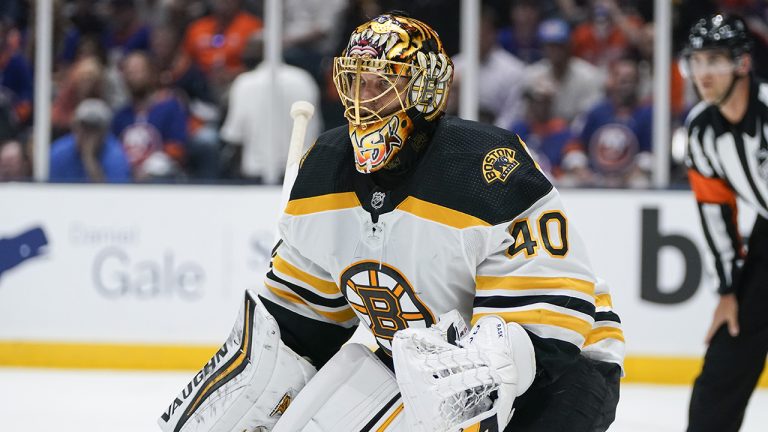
(728, 158)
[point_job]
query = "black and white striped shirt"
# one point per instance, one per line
(725, 161)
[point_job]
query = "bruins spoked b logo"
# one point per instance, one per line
(498, 164)
(385, 299)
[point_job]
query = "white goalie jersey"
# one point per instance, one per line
(479, 230)
(468, 235)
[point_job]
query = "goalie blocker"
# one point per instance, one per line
(246, 385)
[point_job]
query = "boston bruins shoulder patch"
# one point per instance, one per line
(498, 164)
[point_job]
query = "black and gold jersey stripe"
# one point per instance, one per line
(448, 183)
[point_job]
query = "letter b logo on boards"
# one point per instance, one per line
(653, 241)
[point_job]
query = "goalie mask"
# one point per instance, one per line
(393, 71)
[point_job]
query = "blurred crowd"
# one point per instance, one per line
(177, 91)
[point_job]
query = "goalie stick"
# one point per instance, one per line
(301, 112)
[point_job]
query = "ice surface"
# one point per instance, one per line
(42, 400)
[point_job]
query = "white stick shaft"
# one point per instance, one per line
(298, 135)
(301, 112)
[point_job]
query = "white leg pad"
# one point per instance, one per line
(247, 384)
(354, 391)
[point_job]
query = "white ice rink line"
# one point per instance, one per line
(39, 400)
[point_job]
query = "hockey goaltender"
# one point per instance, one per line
(412, 224)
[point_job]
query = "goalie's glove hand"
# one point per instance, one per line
(447, 387)
(510, 353)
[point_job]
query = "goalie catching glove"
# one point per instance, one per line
(447, 387)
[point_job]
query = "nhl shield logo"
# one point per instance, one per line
(498, 164)
(377, 200)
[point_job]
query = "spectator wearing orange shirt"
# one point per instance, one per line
(607, 35)
(676, 83)
(216, 41)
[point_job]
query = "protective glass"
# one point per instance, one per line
(373, 89)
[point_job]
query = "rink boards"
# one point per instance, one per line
(150, 277)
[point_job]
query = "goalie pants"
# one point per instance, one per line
(584, 399)
(732, 366)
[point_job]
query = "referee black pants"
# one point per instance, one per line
(732, 366)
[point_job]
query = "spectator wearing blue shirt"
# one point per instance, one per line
(120, 34)
(90, 153)
(616, 135)
(520, 37)
(180, 75)
(153, 126)
(15, 75)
